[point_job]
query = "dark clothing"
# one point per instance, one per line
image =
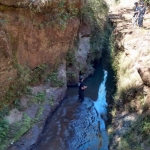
(141, 14)
(142, 10)
(136, 9)
(81, 96)
(140, 21)
(81, 92)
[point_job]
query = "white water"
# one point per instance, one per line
(101, 108)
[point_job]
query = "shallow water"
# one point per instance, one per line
(79, 126)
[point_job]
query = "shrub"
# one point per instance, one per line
(3, 129)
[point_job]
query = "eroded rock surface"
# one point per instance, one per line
(132, 53)
(29, 38)
(145, 75)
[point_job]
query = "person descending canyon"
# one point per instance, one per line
(142, 12)
(136, 14)
(81, 88)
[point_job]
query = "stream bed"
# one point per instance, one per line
(79, 126)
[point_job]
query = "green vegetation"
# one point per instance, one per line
(117, 1)
(147, 1)
(38, 114)
(138, 134)
(51, 101)
(39, 74)
(58, 11)
(130, 91)
(3, 129)
(39, 98)
(4, 112)
(11, 133)
(52, 78)
(27, 77)
(70, 57)
(95, 12)
(19, 128)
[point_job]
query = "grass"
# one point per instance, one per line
(130, 90)
(11, 133)
(51, 101)
(138, 136)
(59, 12)
(70, 57)
(39, 98)
(126, 75)
(52, 78)
(25, 76)
(95, 12)
(25, 79)
(39, 74)
(3, 129)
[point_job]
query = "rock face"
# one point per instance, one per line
(84, 49)
(35, 33)
(39, 3)
(40, 111)
(132, 67)
(145, 75)
(81, 53)
(30, 38)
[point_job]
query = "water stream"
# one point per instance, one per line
(101, 107)
(79, 126)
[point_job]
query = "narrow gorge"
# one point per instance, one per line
(45, 46)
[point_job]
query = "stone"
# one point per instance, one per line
(145, 75)
(31, 40)
(15, 116)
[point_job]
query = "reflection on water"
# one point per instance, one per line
(73, 127)
(93, 83)
(101, 108)
(79, 126)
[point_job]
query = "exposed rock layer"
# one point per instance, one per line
(31, 39)
(132, 63)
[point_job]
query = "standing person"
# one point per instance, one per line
(142, 13)
(136, 14)
(81, 88)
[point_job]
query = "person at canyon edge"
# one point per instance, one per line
(142, 12)
(81, 88)
(136, 14)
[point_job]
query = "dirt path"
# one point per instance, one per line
(133, 61)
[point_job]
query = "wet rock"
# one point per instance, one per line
(31, 136)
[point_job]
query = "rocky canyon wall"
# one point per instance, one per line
(32, 34)
(131, 60)
(44, 45)
(41, 35)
